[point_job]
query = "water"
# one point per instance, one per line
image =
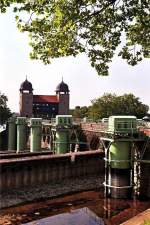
(82, 216)
(88, 206)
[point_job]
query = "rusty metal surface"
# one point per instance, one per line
(38, 170)
(23, 154)
(30, 157)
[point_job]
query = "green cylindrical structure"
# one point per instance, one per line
(12, 133)
(36, 134)
(119, 174)
(120, 169)
(120, 151)
(62, 142)
(121, 178)
(21, 133)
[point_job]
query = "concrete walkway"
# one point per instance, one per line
(139, 219)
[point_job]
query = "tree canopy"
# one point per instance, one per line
(111, 104)
(68, 27)
(4, 110)
(79, 112)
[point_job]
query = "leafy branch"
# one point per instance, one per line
(63, 28)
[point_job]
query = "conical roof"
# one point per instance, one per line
(26, 86)
(62, 87)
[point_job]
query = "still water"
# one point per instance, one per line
(82, 216)
(84, 208)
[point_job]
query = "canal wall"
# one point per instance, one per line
(144, 173)
(34, 170)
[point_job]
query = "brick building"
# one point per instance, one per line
(44, 106)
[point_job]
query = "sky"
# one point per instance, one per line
(83, 81)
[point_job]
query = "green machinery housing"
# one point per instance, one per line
(118, 141)
(62, 128)
(35, 134)
(12, 133)
(18, 132)
(21, 133)
(122, 124)
(125, 127)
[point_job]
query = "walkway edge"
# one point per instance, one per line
(139, 219)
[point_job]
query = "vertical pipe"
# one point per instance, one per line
(21, 133)
(36, 134)
(62, 142)
(12, 133)
(63, 123)
(120, 169)
(121, 182)
(106, 172)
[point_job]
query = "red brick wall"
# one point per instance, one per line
(63, 104)
(26, 104)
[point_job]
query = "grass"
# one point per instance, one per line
(146, 222)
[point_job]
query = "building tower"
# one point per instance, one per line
(26, 99)
(62, 92)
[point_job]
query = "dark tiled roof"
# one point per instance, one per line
(26, 85)
(62, 87)
(45, 98)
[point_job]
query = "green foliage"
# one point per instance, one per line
(146, 222)
(69, 27)
(80, 112)
(111, 104)
(4, 110)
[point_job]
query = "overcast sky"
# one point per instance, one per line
(83, 81)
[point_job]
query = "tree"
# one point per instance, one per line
(79, 112)
(4, 110)
(69, 27)
(111, 104)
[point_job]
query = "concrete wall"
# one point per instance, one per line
(33, 170)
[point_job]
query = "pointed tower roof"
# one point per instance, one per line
(26, 86)
(62, 87)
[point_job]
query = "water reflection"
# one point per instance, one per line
(83, 216)
(79, 208)
(113, 207)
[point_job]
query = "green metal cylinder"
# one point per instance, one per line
(119, 152)
(12, 133)
(36, 134)
(21, 133)
(61, 142)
